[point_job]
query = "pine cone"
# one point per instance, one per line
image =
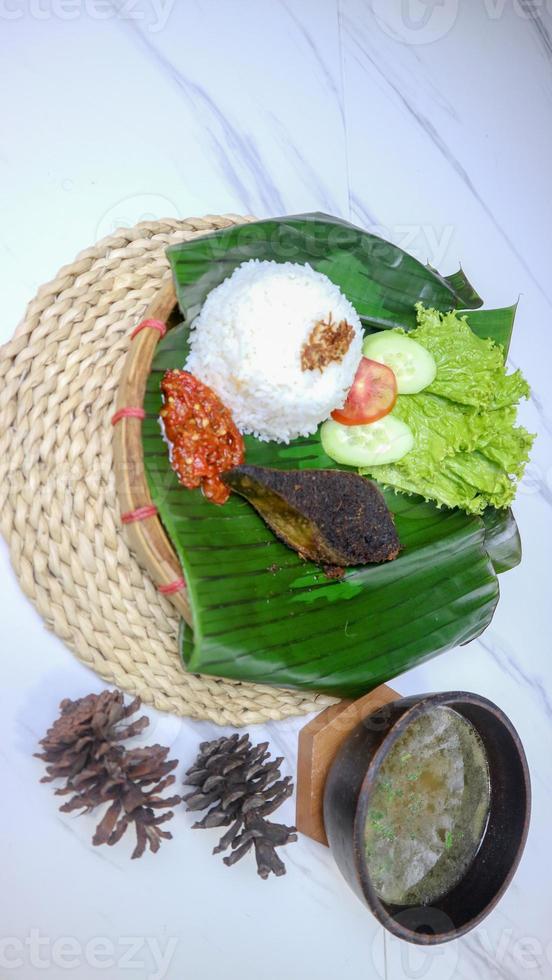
(241, 787)
(122, 779)
(85, 731)
(83, 747)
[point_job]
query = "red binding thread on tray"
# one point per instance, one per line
(172, 587)
(128, 413)
(140, 514)
(153, 324)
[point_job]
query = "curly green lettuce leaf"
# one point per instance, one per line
(509, 447)
(443, 487)
(443, 428)
(470, 369)
(440, 427)
(487, 480)
(468, 452)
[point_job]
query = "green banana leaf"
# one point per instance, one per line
(496, 324)
(381, 281)
(260, 612)
(502, 539)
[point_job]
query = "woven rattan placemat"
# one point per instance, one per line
(58, 509)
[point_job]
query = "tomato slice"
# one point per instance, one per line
(372, 395)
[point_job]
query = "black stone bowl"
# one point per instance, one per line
(346, 804)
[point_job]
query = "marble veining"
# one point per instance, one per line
(359, 42)
(542, 30)
(499, 651)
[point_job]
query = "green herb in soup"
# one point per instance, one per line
(428, 809)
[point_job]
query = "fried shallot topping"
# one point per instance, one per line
(328, 341)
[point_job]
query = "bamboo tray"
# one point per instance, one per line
(147, 537)
(60, 512)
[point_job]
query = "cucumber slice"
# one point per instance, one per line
(414, 367)
(384, 441)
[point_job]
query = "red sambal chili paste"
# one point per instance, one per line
(204, 440)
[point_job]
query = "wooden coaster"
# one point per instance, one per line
(318, 745)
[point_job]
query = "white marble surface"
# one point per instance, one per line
(430, 121)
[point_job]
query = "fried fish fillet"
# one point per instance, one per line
(333, 517)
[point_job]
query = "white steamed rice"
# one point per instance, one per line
(246, 345)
